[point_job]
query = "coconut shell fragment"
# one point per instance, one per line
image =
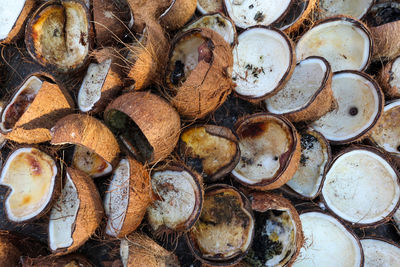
(76, 214)
(127, 197)
(389, 78)
(356, 9)
(72, 260)
(199, 72)
(33, 110)
(380, 252)
(178, 14)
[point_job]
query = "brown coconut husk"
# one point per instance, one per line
(262, 202)
(155, 117)
(111, 20)
(384, 78)
(140, 197)
(178, 14)
(19, 25)
(51, 261)
(90, 211)
(209, 84)
(145, 252)
(51, 103)
(386, 41)
(9, 254)
(86, 131)
(147, 57)
(113, 83)
(321, 102)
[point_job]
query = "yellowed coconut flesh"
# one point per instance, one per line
(31, 175)
(90, 162)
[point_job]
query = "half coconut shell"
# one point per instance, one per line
(210, 6)
(33, 109)
(178, 14)
(389, 78)
(355, 9)
(76, 214)
(380, 252)
(300, 11)
(270, 151)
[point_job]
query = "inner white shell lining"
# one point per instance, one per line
(352, 8)
(379, 253)
(9, 13)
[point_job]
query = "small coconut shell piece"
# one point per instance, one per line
(33, 109)
(224, 232)
(299, 12)
(362, 187)
(111, 20)
(359, 107)
(86, 131)
(127, 197)
(139, 250)
(33, 179)
(380, 252)
(389, 78)
(355, 9)
(270, 151)
(213, 151)
(328, 238)
(76, 214)
(178, 14)
(210, 6)
(154, 124)
(307, 95)
(9, 253)
(101, 83)
(278, 234)
(256, 12)
(72, 260)
(387, 132)
(14, 17)
(90, 162)
(218, 23)
(265, 71)
(199, 72)
(179, 199)
(384, 24)
(314, 161)
(344, 42)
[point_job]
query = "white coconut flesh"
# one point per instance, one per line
(246, 13)
(63, 216)
(260, 158)
(217, 23)
(327, 243)
(352, 8)
(9, 14)
(225, 228)
(177, 191)
(378, 253)
(20, 103)
(117, 198)
(261, 71)
(358, 106)
(395, 74)
(314, 158)
(90, 162)
(210, 6)
(90, 90)
(124, 252)
(342, 43)
(361, 187)
(396, 219)
(62, 35)
(31, 175)
(386, 133)
(307, 79)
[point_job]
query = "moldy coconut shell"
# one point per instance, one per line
(201, 86)
(86, 131)
(178, 14)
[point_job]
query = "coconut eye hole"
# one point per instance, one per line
(353, 111)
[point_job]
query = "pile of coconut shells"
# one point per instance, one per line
(200, 133)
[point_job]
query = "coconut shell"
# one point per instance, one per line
(86, 131)
(90, 211)
(178, 14)
(145, 12)
(50, 104)
(209, 84)
(51, 261)
(111, 19)
(140, 193)
(305, 16)
(158, 121)
(386, 41)
(148, 56)
(9, 254)
(321, 102)
(145, 252)
(19, 25)
(262, 202)
(384, 79)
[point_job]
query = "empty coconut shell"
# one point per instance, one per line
(299, 12)
(76, 214)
